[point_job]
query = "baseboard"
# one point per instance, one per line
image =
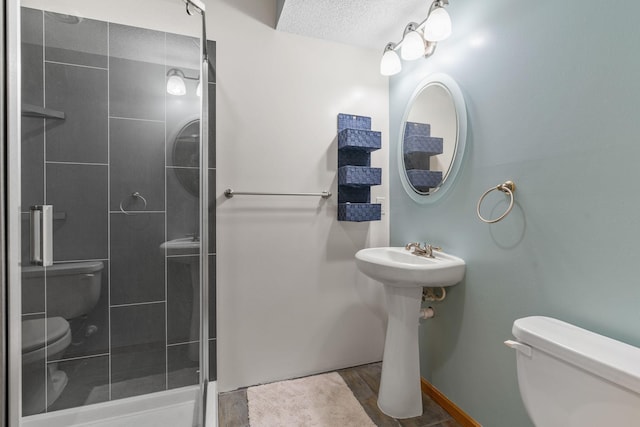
(458, 414)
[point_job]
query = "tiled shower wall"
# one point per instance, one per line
(118, 137)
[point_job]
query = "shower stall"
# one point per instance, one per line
(110, 213)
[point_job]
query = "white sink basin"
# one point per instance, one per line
(182, 243)
(403, 275)
(395, 266)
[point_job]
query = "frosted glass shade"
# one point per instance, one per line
(412, 46)
(438, 25)
(176, 86)
(390, 63)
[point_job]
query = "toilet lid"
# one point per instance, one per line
(33, 329)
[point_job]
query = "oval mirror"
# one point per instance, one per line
(432, 139)
(186, 153)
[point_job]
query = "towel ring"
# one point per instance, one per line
(508, 187)
(135, 195)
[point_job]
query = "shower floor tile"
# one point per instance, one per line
(364, 382)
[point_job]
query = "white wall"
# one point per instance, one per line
(290, 299)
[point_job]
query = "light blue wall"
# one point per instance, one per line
(553, 99)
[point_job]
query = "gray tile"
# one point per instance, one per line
(137, 72)
(33, 374)
(137, 44)
(368, 398)
(75, 40)
(448, 423)
(371, 375)
(213, 360)
(32, 61)
(212, 211)
(81, 93)
(32, 153)
(137, 325)
(211, 53)
(233, 409)
(137, 164)
(212, 297)
(182, 205)
(183, 128)
(80, 192)
(24, 238)
(182, 277)
(33, 297)
(137, 261)
(138, 362)
(90, 333)
(183, 365)
(183, 284)
(432, 414)
(212, 125)
(88, 382)
(183, 52)
(136, 89)
(31, 21)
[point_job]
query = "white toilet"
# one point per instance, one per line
(571, 377)
(35, 379)
(73, 290)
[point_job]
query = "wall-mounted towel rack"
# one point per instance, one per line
(230, 193)
(508, 187)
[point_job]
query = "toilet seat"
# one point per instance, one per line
(34, 347)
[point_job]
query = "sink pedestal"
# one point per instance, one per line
(400, 395)
(403, 275)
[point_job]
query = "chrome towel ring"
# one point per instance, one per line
(135, 195)
(508, 187)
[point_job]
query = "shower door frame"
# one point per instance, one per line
(3, 228)
(13, 188)
(10, 221)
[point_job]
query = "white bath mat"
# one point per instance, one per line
(318, 401)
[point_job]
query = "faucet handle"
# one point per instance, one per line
(408, 246)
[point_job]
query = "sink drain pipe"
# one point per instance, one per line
(429, 294)
(427, 313)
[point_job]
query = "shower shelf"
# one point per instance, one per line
(30, 110)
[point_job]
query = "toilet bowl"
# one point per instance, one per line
(72, 291)
(38, 376)
(572, 377)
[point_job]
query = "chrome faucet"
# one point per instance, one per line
(426, 251)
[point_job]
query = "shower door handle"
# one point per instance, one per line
(41, 241)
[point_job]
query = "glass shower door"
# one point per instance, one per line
(111, 214)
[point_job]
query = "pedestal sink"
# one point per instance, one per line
(403, 275)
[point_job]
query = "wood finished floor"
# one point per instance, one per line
(364, 382)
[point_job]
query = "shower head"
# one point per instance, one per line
(197, 4)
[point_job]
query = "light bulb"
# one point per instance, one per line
(390, 63)
(438, 25)
(199, 89)
(176, 86)
(412, 46)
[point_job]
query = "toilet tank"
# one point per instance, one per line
(572, 377)
(73, 289)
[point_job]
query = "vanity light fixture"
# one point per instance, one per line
(390, 63)
(176, 85)
(418, 40)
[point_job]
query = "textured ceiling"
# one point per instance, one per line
(366, 23)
